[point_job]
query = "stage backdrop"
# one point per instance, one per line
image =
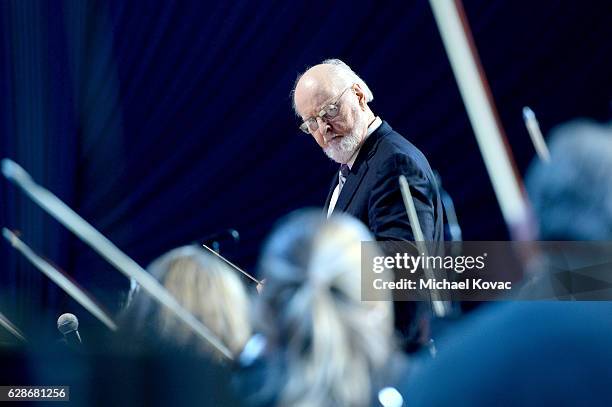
(161, 121)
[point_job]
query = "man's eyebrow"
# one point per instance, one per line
(320, 107)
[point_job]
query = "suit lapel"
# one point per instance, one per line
(358, 171)
(360, 167)
(351, 185)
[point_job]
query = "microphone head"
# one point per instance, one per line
(67, 323)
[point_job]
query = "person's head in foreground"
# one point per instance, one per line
(572, 201)
(572, 195)
(332, 343)
(332, 102)
(205, 287)
(542, 353)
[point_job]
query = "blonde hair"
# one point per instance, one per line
(208, 289)
(333, 342)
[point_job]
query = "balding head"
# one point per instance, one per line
(333, 83)
(331, 75)
(314, 87)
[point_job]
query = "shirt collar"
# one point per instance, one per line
(371, 129)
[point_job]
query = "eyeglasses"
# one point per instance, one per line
(327, 112)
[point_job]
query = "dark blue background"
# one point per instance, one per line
(163, 121)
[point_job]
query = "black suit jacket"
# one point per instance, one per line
(371, 192)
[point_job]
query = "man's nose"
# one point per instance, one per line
(324, 127)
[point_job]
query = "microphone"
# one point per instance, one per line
(68, 325)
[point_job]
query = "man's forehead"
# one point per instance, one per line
(311, 93)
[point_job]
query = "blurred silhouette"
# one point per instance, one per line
(539, 353)
(154, 359)
(323, 345)
(103, 378)
(204, 286)
(572, 195)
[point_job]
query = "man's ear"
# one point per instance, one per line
(361, 98)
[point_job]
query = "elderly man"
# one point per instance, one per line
(333, 102)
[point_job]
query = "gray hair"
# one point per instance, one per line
(311, 310)
(343, 75)
(575, 183)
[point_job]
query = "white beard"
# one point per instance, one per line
(341, 149)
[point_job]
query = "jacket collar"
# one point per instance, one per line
(360, 167)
